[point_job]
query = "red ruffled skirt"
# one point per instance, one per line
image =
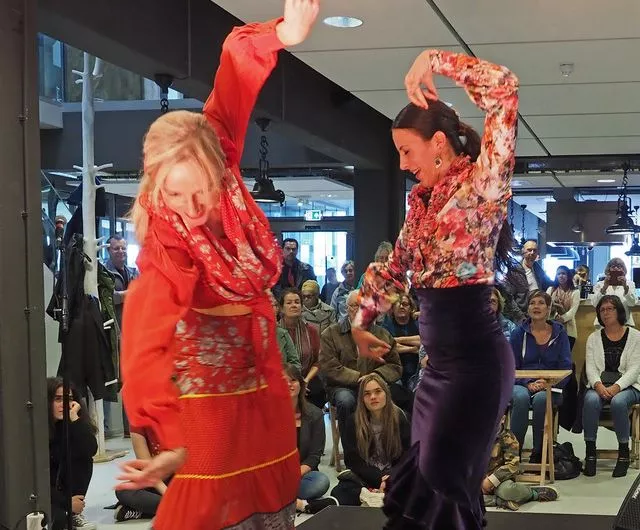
(243, 469)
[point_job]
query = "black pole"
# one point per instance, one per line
(63, 316)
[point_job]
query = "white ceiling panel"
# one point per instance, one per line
(580, 99)
(586, 125)
(523, 182)
(528, 147)
(397, 23)
(492, 21)
(597, 61)
(593, 146)
(380, 69)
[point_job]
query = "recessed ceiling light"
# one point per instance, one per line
(343, 22)
(329, 195)
(549, 199)
(606, 181)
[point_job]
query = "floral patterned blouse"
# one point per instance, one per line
(449, 237)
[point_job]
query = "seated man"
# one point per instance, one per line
(314, 311)
(499, 486)
(343, 369)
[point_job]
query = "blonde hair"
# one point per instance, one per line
(390, 436)
(175, 137)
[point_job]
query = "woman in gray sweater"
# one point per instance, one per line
(613, 370)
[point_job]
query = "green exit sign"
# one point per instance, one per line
(313, 215)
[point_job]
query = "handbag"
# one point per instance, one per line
(609, 378)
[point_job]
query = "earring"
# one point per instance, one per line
(438, 162)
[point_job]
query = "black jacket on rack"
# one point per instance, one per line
(85, 346)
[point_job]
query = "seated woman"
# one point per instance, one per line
(141, 504)
(375, 438)
(565, 301)
(538, 344)
(612, 366)
(306, 340)
(615, 283)
(404, 328)
(82, 447)
(285, 344)
(497, 304)
(311, 442)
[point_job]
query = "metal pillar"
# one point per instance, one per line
(24, 476)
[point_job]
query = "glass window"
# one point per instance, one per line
(50, 68)
(321, 250)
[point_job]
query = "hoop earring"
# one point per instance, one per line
(438, 162)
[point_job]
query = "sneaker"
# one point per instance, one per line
(507, 505)
(545, 493)
(124, 513)
(315, 505)
(80, 523)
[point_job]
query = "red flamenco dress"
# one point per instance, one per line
(201, 363)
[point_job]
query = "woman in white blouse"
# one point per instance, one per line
(616, 283)
(612, 367)
(565, 301)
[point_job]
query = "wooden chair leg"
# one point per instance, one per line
(635, 435)
(336, 456)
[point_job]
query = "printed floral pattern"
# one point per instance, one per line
(450, 234)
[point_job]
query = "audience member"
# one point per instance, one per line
(343, 369)
(123, 276)
(285, 343)
(613, 373)
(529, 276)
(499, 487)
(384, 250)
(497, 305)
(294, 272)
(538, 344)
(615, 283)
(315, 311)
(141, 504)
(565, 301)
(82, 447)
(330, 285)
(339, 298)
(404, 329)
(374, 439)
(311, 442)
(306, 340)
(581, 276)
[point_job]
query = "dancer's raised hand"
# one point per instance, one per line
(419, 81)
(140, 474)
(299, 16)
(369, 345)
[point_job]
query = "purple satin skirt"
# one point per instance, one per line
(463, 394)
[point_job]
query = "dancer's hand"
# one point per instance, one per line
(487, 487)
(369, 345)
(140, 474)
(299, 16)
(419, 82)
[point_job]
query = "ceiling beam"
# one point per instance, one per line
(183, 38)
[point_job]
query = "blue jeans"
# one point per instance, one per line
(313, 486)
(620, 407)
(345, 402)
(521, 402)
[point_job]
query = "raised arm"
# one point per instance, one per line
(249, 55)
(494, 89)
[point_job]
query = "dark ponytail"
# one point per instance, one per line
(440, 117)
(463, 140)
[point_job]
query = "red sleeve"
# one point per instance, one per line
(249, 54)
(155, 302)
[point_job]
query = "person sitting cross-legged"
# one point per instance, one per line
(311, 442)
(499, 486)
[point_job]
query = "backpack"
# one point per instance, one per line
(567, 464)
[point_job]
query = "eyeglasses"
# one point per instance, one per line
(607, 309)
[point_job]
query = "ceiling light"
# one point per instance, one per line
(549, 199)
(606, 181)
(566, 69)
(635, 247)
(343, 22)
(624, 223)
(517, 183)
(265, 191)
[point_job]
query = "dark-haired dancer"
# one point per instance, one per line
(452, 242)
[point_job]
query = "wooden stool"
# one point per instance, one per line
(336, 456)
(635, 436)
